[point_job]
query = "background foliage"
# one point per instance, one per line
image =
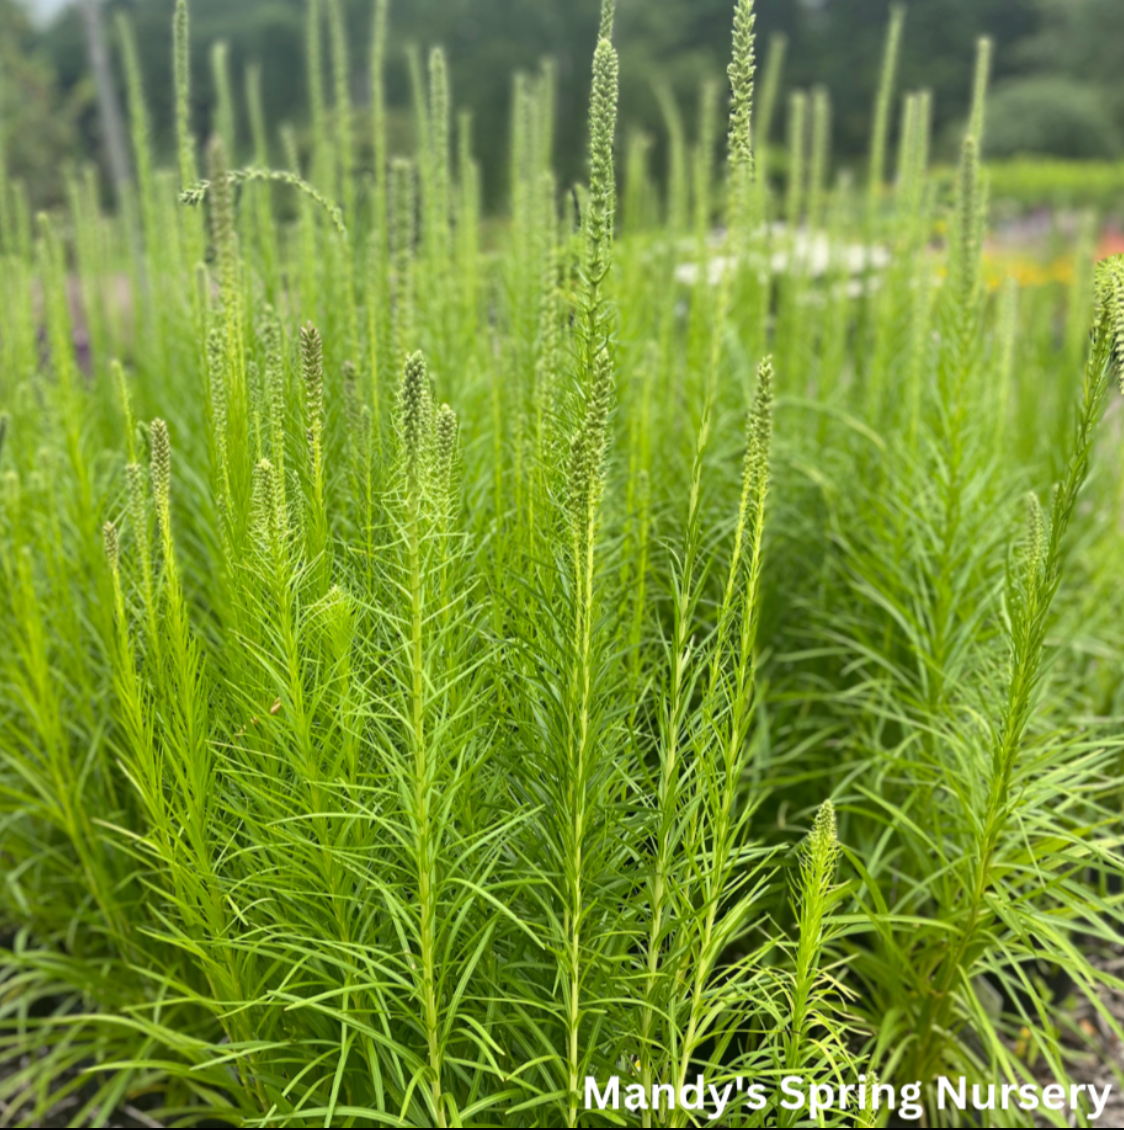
(1055, 67)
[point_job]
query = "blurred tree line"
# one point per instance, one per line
(1056, 76)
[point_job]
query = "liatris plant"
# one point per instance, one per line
(467, 682)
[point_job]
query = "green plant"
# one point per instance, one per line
(456, 677)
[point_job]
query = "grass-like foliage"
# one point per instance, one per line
(653, 637)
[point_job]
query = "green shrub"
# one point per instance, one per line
(1055, 116)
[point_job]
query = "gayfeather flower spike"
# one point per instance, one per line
(608, 13)
(741, 73)
(602, 185)
(268, 509)
(416, 418)
(188, 171)
(112, 547)
(312, 370)
(1110, 308)
(162, 474)
(445, 441)
(112, 544)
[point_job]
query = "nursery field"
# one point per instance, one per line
(509, 672)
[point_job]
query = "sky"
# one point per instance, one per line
(44, 9)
